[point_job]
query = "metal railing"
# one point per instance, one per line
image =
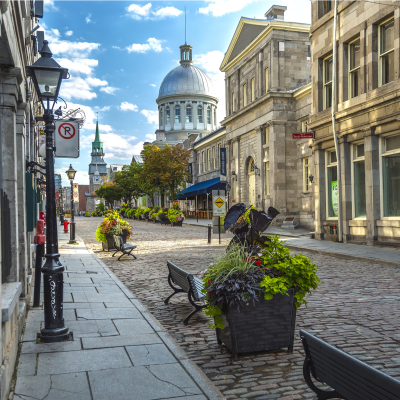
(5, 236)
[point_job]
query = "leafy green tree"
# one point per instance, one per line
(129, 181)
(110, 192)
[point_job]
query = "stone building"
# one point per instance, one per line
(97, 171)
(186, 101)
(20, 191)
(268, 97)
(367, 113)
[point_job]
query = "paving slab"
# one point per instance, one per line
(150, 355)
(133, 326)
(33, 347)
(117, 341)
(108, 313)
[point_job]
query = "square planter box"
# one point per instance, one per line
(266, 325)
(179, 223)
(109, 245)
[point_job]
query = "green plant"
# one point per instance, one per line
(175, 215)
(87, 214)
(139, 212)
(94, 213)
(112, 225)
(101, 207)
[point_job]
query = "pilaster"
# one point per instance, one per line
(346, 200)
(319, 192)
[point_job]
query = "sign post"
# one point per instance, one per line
(222, 171)
(66, 139)
(219, 209)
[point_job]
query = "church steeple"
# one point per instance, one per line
(97, 145)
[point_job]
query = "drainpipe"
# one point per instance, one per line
(339, 169)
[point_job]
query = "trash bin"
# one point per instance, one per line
(62, 219)
(66, 226)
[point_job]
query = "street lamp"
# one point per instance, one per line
(228, 189)
(46, 75)
(71, 176)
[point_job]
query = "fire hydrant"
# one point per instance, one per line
(66, 226)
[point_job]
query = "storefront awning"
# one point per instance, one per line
(201, 188)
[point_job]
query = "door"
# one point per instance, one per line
(252, 189)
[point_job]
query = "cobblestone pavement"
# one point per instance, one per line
(356, 309)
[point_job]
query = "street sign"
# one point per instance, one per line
(219, 206)
(66, 139)
(303, 135)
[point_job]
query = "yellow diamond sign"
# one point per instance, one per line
(219, 202)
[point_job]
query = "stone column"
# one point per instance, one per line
(372, 187)
(260, 164)
(346, 200)
(9, 86)
(183, 114)
(319, 192)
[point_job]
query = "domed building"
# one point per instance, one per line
(187, 103)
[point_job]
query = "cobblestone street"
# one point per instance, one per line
(356, 308)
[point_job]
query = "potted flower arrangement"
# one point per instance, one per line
(146, 213)
(154, 213)
(87, 214)
(254, 289)
(112, 225)
(94, 213)
(176, 217)
(139, 213)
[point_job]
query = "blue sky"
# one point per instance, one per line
(119, 52)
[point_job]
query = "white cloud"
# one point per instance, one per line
(125, 106)
(109, 89)
(210, 61)
(152, 116)
(69, 33)
(217, 8)
(56, 32)
(88, 20)
(151, 136)
(49, 6)
(153, 44)
(152, 84)
(138, 12)
(105, 108)
(78, 88)
(78, 65)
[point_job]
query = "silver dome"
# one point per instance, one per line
(186, 80)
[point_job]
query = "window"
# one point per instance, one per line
(233, 149)
(359, 201)
(199, 114)
(266, 80)
(328, 63)
(214, 159)
(208, 160)
(203, 156)
(305, 174)
(189, 114)
(161, 118)
(245, 95)
(208, 115)
(215, 116)
(177, 114)
(386, 52)
(391, 176)
(233, 102)
(354, 68)
(219, 155)
(267, 180)
(326, 6)
(252, 89)
(199, 162)
(168, 112)
(304, 126)
(267, 135)
(333, 199)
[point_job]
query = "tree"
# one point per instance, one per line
(128, 181)
(110, 192)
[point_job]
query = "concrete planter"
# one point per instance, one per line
(266, 325)
(179, 223)
(109, 245)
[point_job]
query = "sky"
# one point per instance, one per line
(119, 52)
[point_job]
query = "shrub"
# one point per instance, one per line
(87, 214)
(175, 215)
(101, 207)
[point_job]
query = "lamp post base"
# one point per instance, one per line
(55, 335)
(72, 232)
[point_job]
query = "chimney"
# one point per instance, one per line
(276, 13)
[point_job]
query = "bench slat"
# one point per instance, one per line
(352, 378)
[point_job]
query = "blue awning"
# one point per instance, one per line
(201, 188)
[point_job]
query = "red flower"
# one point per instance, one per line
(258, 263)
(252, 259)
(208, 281)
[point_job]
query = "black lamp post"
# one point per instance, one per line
(46, 75)
(71, 176)
(228, 189)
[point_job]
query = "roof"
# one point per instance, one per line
(209, 136)
(137, 159)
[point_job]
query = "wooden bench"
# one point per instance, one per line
(188, 284)
(125, 248)
(349, 378)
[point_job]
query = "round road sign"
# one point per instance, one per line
(66, 130)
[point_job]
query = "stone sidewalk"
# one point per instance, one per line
(119, 349)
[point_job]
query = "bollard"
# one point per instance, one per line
(39, 241)
(209, 233)
(66, 226)
(61, 219)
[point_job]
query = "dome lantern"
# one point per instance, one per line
(186, 54)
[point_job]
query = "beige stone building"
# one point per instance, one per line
(268, 97)
(367, 119)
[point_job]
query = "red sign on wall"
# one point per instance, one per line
(303, 135)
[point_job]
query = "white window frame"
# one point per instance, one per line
(190, 115)
(253, 89)
(177, 108)
(383, 153)
(380, 56)
(325, 84)
(245, 95)
(209, 115)
(200, 115)
(306, 184)
(327, 165)
(354, 159)
(168, 115)
(352, 71)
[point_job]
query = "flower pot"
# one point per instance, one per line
(179, 223)
(109, 245)
(266, 325)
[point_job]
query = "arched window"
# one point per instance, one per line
(189, 113)
(215, 116)
(168, 113)
(161, 117)
(177, 114)
(209, 115)
(199, 114)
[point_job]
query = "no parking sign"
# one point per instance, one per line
(66, 139)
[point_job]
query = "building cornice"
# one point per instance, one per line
(210, 139)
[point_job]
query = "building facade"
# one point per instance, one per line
(367, 114)
(97, 171)
(186, 101)
(268, 97)
(58, 181)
